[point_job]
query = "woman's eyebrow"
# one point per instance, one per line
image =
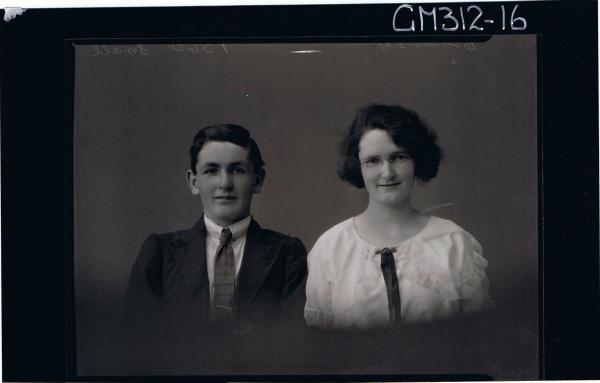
(371, 156)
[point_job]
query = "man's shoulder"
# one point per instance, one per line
(272, 236)
(183, 237)
(155, 243)
(178, 236)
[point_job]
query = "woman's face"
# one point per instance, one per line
(387, 169)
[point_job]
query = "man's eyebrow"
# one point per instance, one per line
(210, 165)
(239, 163)
(232, 164)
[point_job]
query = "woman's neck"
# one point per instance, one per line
(388, 225)
(377, 214)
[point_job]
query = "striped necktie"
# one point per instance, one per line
(224, 279)
(388, 268)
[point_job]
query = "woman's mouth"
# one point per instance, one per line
(389, 185)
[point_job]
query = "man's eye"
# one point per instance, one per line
(238, 171)
(210, 171)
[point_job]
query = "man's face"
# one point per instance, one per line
(225, 181)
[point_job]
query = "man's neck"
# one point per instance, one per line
(238, 228)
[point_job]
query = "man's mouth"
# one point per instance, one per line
(225, 198)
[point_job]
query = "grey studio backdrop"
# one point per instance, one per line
(137, 108)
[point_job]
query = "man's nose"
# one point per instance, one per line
(225, 180)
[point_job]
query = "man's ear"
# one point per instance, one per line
(192, 181)
(259, 179)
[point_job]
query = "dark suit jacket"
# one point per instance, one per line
(167, 300)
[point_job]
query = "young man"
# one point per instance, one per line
(226, 274)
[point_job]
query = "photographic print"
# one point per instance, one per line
(138, 107)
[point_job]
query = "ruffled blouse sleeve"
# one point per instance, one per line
(318, 311)
(466, 267)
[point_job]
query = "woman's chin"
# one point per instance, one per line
(393, 201)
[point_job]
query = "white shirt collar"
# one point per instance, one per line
(238, 229)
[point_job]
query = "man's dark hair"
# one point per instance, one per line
(228, 133)
(406, 130)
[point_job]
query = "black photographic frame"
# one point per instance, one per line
(37, 121)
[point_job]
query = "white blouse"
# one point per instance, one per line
(440, 270)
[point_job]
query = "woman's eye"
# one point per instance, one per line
(372, 161)
(399, 157)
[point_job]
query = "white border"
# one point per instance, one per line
(29, 4)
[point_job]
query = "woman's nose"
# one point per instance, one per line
(387, 169)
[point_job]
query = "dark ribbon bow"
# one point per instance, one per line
(388, 269)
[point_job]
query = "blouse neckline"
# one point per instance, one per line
(398, 244)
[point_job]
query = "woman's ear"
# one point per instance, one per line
(192, 181)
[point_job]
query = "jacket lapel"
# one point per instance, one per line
(189, 251)
(257, 262)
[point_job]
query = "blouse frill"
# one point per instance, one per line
(442, 257)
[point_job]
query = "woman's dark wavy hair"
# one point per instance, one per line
(228, 133)
(406, 129)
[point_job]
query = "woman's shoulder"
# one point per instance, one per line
(449, 243)
(438, 228)
(448, 259)
(341, 231)
(340, 240)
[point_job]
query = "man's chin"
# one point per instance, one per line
(226, 217)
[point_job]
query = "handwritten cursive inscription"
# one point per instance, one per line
(105, 50)
(466, 46)
(199, 48)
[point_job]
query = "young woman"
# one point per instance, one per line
(392, 264)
